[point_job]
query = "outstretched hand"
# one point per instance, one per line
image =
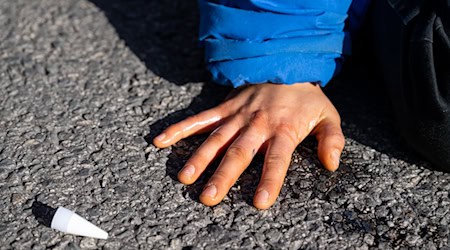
(268, 118)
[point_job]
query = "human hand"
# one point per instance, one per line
(268, 118)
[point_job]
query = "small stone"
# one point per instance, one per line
(88, 243)
(7, 164)
(17, 199)
(66, 161)
(175, 244)
(369, 239)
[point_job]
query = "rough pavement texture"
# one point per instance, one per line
(84, 85)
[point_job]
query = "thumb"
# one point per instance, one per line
(331, 142)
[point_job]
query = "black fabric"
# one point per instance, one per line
(412, 45)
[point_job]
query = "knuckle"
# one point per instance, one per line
(335, 134)
(225, 107)
(216, 136)
(221, 176)
(259, 116)
(270, 181)
(259, 121)
(236, 152)
(289, 131)
(199, 158)
(339, 139)
(275, 161)
(170, 129)
(245, 111)
(174, 131)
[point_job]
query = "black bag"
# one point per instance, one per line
(411, 39)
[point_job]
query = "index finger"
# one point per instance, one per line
(188, 127)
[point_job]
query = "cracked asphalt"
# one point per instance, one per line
(85, 85)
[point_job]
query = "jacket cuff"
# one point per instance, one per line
(248, 46)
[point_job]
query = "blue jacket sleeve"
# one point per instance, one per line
(278, 41)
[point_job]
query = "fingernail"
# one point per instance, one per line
(262, 196)
(188, 171)
(160, 137)
(335, 157)
(210, 191)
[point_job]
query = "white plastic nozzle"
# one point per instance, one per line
(69, 222)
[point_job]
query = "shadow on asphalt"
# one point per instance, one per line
(359, 96)
(163, 35)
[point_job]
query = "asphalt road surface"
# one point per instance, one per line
(85, 85)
